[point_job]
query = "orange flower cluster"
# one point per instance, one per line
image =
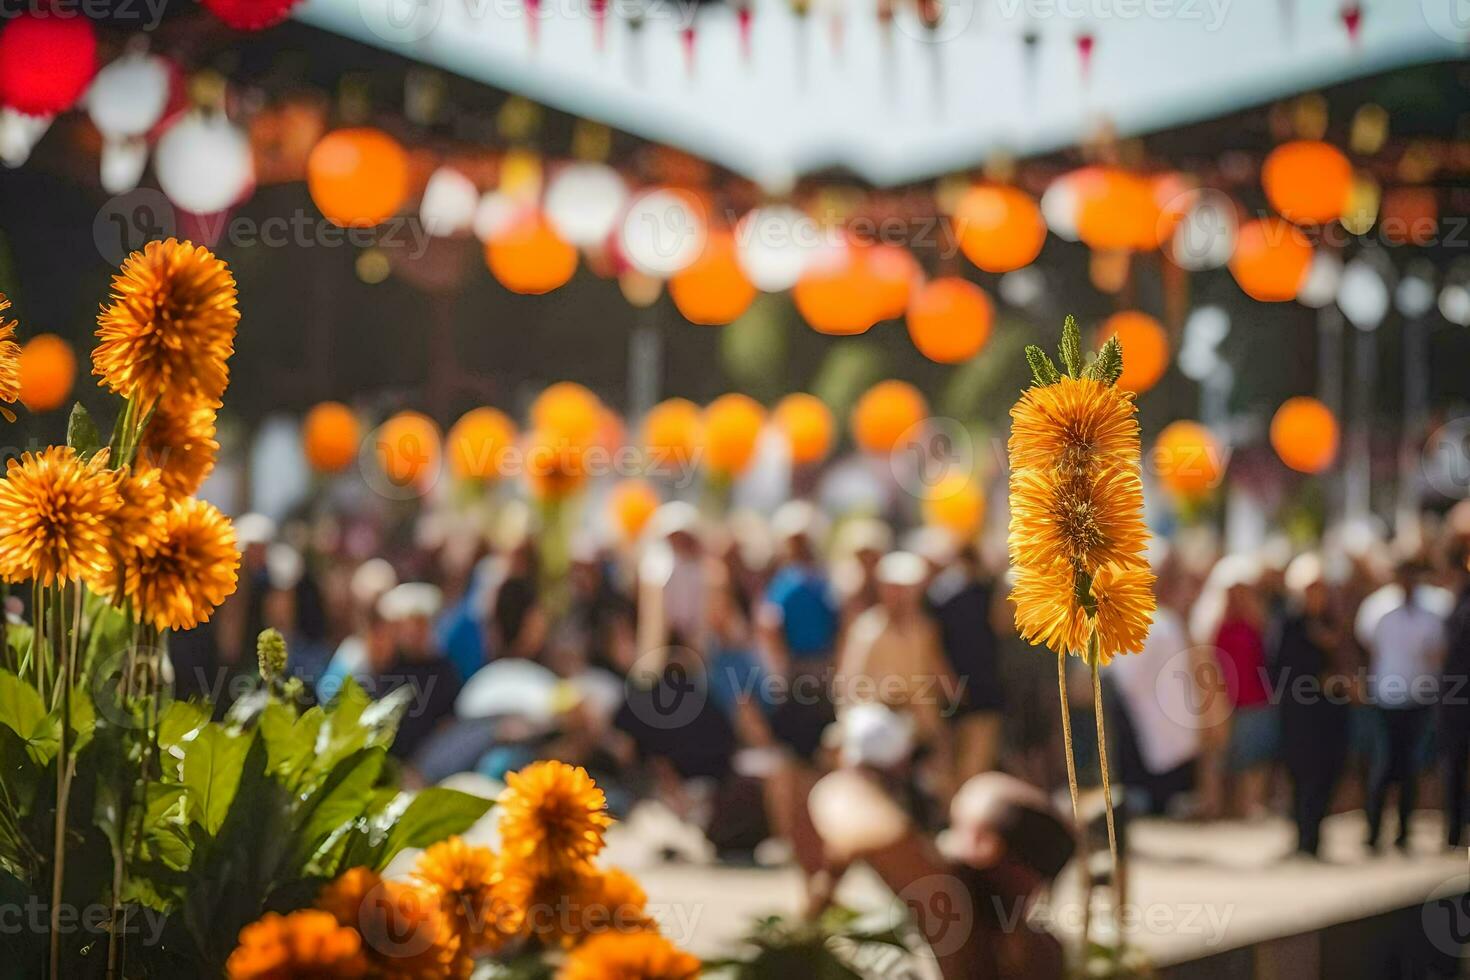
(9, 359)
(134, 532)
(541, 894)
(1077, 535)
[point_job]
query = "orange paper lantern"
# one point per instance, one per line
(568, 413)
(357, 177)
(529, 257)
(478, 443)
(1145, 349)
(1118, 211)
(949, 320)
(1409, 216)
(408, 449)
(1187, 458)
(554, 468)
(672, 435)
(895, 273)
(884, 413)
(957, 504)
(1307, 181)
(806, 422)
(1271, 260)
(1000, 228)
(713, 290)
(331, 437)
(838, 295)
(732, 424)
(630, 506)
(1304, 434)
(48, 369)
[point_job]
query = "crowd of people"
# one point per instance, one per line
(721, 667)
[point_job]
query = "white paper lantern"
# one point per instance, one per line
(1059, 205)
(662, 233)
(1454, 303)
(449, 203)
(1415, 295)
(128, 97)
(1363, 295)
(583, 202)
(774, 246)
(495, 214)
(203, 163)
(19, 133)
(1323, 278)
(1205, 237)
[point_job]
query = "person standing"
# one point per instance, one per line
(1406, 650)
(1306, 652)
(1454, 704)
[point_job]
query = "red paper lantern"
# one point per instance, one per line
(250, 15)
(46, 63)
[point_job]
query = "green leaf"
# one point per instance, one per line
(1043, 371)
(210, 771)
(1108, 367)
(23, 711)
(1070, 350)
(432, 815)
(290, 741)
(81, 432)
(343, 797)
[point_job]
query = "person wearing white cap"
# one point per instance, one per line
(409, 609)
(1306, 650)
(672, 582)
(797, 626)
(892, 655)
(354, 655)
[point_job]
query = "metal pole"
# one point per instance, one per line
(645, 363)
(1358, 502)
(1416, 411)
(1330, 344)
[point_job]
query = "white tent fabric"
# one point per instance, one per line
(902, 104)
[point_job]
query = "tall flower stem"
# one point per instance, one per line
(1084, 851)
(63, 782)
(1102, 756)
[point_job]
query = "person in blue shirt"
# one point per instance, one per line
(798, 623)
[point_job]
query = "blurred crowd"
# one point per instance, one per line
(720, 667)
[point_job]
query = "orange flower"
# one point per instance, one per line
(141, 522)
(1047, 611)
(629, 956)
(564, 908)
(1075, 423)
(179, 441)
(405, 931)
(191, 571)
(1087, 520)
(55, 515)
(305, 945)
(1125, 605)
(471, 882)
(9, 358)
(552, 818)
(170, 326)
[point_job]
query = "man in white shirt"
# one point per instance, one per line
(1406, 648)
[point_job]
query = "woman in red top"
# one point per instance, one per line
(1241, 650)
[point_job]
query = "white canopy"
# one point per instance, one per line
(835, 89)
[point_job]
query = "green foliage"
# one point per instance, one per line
(81, 432)
(1043, 371)
(1070, 349)
(1108, 366)
(215, 823)
(828, 948)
